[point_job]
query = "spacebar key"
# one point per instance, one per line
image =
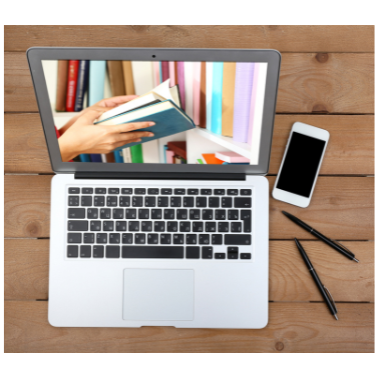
(152, 252)
(237, 239)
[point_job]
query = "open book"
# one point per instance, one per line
(169, 118)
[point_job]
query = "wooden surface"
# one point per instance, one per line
(327, 81)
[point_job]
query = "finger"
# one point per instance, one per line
(126, 127)
(89, 117)
(120, 144)
(134, 135)
(118, 100)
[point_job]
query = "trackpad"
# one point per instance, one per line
(158, 294)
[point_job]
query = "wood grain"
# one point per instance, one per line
(27, 260)
(283, 38)
(293, 327)
(342, 156)
(309, 83)
(341, 207)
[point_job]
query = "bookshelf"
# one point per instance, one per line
(228, 143)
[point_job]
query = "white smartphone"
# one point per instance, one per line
(301, 164)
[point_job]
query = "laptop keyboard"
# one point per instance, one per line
(159, 223)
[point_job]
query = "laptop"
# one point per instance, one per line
(159, 211)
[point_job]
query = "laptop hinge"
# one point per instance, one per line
(159, 176)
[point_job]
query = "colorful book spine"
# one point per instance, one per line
(128, 77)
(172, 74)
(196, 92)
(116, 77)
(73, 68)
(95, 158)
(203, 96)
(169, 156)
(188, 77)
(228, 94)
(82, 84)
(136, 153)
(85, 158)
(165, 70)
(216, 102)
(156, 73)
(181, 82)
(118, 156)
(126, 155)
(242, 101)
(61, 89)
(209, 93)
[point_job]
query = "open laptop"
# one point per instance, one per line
(162, 225)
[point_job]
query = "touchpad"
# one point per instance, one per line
(158, 294)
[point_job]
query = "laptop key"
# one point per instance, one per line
(152, 252)
(178, 239)
(73, 190)
(236, 227)
(245, 192)
(99, 201)
(182, 214)
(172, 226)
(233, 214)
(193, 192)
(73, 200)
(194, 214)
(114, 238)
(214, 202)
(100, 190)
(112, 251)
(166, 191)
(219, 192)
(73, 238)
(210, 227)
(127, 191)
(207, 253)
(76, 213)
(127, 238)
(232, 192)
(165, 239)
(192, 252)
(143, 213)
(206, 192)
(89, 238)
(153, 239)
(150, 201)
(95, 225)
(175, 201)
(191, 239)
(140, 238)
(124, 201)
(220, 214)
(72, 251)
(245, 256)
(98, 251)
(85, 251)
(140, 191)
(113, 190)
(179, 191)
(237, 239)
(137, 201)
(92, 213)
(101, 238)
(78, 225)
(130, 214)
(156, 214)
(146, 226)
(159, 226)
(197, 226)
(220, 256)
(117, 213)
(188, 201)
(108, 226)
(153, 191)
(105, 213)
(87, 190)
(232, 253)
(207, 214)
(133, 226)
(226, 202)
(201, 202)
(204, 239)
(222, 226)
(169, 214)
(111, 201)
(243, 202)
(184, 226)
(216, 239)
(120, 226)
(245, 216)
(163, 201)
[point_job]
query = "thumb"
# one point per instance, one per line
(89, 117)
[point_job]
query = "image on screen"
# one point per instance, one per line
(157, 112)
(301, 164)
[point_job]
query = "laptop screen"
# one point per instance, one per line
(170, 112)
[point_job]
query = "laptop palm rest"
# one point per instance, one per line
(158, 294)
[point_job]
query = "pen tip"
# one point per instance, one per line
(355, 259)
(336, 317)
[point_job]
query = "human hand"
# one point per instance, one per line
(85, 138)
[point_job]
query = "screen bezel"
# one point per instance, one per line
(35, 56)
(310, 131)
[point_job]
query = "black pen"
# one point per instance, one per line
(335, 245)
(323, 290)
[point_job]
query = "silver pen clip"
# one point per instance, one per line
(330, 297)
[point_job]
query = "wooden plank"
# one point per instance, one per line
(293, 327)
(283, 38)
(26, 271)
(309, 83)
(342, 157)
(341, 208)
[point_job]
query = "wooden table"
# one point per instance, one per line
(327, 80)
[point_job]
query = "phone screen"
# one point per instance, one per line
(301, 164)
